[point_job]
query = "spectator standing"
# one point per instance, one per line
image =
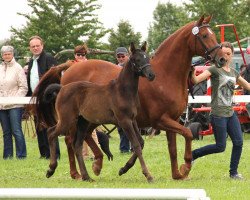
(13, 83)
(38, 65)
(122, 57)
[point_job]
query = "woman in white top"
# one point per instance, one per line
(13, 83)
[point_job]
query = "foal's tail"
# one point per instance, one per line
(51, 92)
(45, 111)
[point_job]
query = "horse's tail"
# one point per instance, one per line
(51, 92)
(45, 112)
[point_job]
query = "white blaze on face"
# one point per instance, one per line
(210, 31)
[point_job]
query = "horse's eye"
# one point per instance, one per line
(204, 36)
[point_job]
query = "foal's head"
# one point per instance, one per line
(140, 61)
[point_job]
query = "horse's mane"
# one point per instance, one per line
(169, 40)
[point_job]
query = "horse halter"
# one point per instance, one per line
(195, 31)
(140, 68)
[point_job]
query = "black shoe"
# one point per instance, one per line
(237, 176)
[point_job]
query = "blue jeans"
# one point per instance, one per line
(11, 121)
(124, 141)
(221, 127)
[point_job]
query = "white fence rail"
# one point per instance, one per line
(197, 99)
(102, 193)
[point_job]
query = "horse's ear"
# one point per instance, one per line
(144, 47)
(199, 22)
(132, 47)
(207, 19)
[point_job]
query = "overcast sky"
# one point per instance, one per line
(139, 13)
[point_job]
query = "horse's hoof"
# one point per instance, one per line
(150, 179)
(121, 171)
(184, 171)
(49, 173)
(96, 169)
(88, 179)
(76, 176)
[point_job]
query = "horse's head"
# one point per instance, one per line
(140, 61)
(205, 42)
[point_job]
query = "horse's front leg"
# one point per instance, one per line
(172, 127)
(72, 162)
(52, 135)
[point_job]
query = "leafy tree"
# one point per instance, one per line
(224, 12)
(61, 23)
(167, 19)
(123, 36)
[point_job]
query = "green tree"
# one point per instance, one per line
(123, 36)
(223, 12)
(61, 23)
(167, 18)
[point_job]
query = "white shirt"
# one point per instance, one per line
(34, 75)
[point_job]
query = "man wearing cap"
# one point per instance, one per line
(38, 65)
(122, 58)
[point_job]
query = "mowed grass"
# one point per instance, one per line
(209, 173)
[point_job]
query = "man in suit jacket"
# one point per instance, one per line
(38, 65)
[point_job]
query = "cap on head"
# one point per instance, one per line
(81, 49)
(5, 49)
(248, 50)
(121, 50)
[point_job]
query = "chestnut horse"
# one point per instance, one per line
(112, 103)
(162, 101)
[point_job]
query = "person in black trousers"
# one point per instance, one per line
(38, 65)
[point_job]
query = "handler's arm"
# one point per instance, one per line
(201, 77)
(243, 83)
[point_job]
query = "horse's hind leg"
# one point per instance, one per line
(81, 132)
(98, 161)
(72, 162)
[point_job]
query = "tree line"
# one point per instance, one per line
(66, 23)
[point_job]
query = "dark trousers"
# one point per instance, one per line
(221, 127)
(43, 143)
(124, 141)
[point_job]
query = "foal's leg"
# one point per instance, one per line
(130, 132)
(82, 125)
(88, 128)
(133, 158)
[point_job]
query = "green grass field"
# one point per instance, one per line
(209, 173)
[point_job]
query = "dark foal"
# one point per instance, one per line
(113, 103)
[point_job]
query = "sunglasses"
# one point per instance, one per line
(81, 54)
(122, 56)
